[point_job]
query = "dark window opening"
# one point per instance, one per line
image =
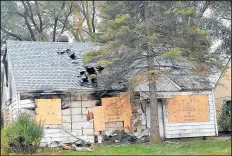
(98, 103)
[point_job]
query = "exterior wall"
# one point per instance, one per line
(181, 130)
(10, 101)
(223, 89)
(195, 129)
(15, 107)
(10, 90)
(74, 119)
(164, 84)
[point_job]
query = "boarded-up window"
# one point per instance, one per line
(118, 109)
(99, 122)
(48, 111)
(192, 108)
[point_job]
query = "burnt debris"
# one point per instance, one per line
(119, 137)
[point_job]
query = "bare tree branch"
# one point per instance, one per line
(66, 18)
(32, 16)
(39, 16)
(93, 16)
(26, 21)
(55, 23)
(11, 34)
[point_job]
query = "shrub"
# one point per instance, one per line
(22, 137)
(224, 120)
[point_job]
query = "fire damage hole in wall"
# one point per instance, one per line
(98, 103)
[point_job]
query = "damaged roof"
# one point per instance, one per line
(44, 66)
(52, 66)
(180, 76)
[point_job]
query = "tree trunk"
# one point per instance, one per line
(154, 129)
(93, 16)
(87, 16)
(54, 30)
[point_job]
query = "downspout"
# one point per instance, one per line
(215, 117)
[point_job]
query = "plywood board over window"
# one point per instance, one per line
(188, 108)
(99, 121)
(48, 111)
(118, 109)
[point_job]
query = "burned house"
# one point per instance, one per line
(49, 81)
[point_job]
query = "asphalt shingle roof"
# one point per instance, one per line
(37, 66)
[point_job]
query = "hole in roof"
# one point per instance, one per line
(71, 54)
(94, 80)
(82, 72)
(100, 68)
(85, 79)
(91, 70)
(61, 52)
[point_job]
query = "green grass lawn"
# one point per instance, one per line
(206, 147)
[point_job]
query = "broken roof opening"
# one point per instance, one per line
(82, 72)
(61, 52)
(71, 54)
(99, 68)
(91, 70)
(85, 79)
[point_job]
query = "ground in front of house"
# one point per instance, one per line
(201, 147)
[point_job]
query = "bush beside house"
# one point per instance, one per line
(224, 120)
(22, 136)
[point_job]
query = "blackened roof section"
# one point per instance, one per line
(46, 66)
